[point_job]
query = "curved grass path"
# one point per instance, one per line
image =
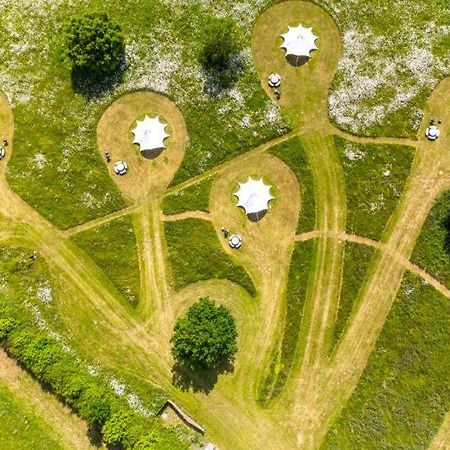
(318, 385)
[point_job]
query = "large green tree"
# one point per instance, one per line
(220, 44)
(95, 43)
(205, 337)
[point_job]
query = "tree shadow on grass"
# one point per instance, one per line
(93, 85)
(219, 80)
(199, 380)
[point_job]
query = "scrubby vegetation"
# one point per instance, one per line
(294, 155)
(191, 198)
(205, 337)
(403, 394)
(375, 176)
(112, 246)
(195, 254)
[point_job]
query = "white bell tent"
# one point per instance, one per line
(254, 196)
(150, 134)
(298, 42)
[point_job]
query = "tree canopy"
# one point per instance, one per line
(205, 337)
(221, 43)
(95, 43)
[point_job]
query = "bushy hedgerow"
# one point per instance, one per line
(90, 396)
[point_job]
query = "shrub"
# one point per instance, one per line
(205, 336)
(221, 44)
(95, 43)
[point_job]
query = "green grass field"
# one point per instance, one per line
(112, 247)
(192, 198)
(375, 176)
(356, 261)
(292, 153)
(403, 394)
(195, 254)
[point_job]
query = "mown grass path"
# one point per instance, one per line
(319, 383)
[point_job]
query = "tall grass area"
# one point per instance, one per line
(293, 154)
(356, 261)
(375, 176)
(195, 254)
(432, 250)
(403, 394)
(191, 198)
(112, 246)
(20, 427)
(295, 296)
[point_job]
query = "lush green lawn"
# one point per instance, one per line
(375, 176)
(112, 246)
(292, 153)
(356, 261)
(195, 254)
(191, 198)
(301, 264)
(20, 428)
(403, 394)
(432, 250)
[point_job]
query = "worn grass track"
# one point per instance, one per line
(319, 385)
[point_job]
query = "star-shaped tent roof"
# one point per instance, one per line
(299, 41)
(253, 196)
(150, 133)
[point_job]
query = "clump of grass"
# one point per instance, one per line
(356, 261)
(191, 198)
(403, 394)
(293, 154)
(432, 250)
(195, 254)
(375, 176)
(295, 296)
(113, 248)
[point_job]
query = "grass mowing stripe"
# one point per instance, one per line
(403, 394)
(195, 254)
(191, 198)
(432, 250)
(375, 175)
(356, 261)
(293, 154)
(283, 360)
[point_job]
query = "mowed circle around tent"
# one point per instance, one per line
(145, 177)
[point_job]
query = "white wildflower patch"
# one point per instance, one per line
(39, 160)
(135, 402)
(353, 153)
(44, 293)
(118, 387)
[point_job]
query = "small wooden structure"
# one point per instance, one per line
(191, 423)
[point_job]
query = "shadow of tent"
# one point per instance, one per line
(296, 61)
(153, 153)
(255, 217)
